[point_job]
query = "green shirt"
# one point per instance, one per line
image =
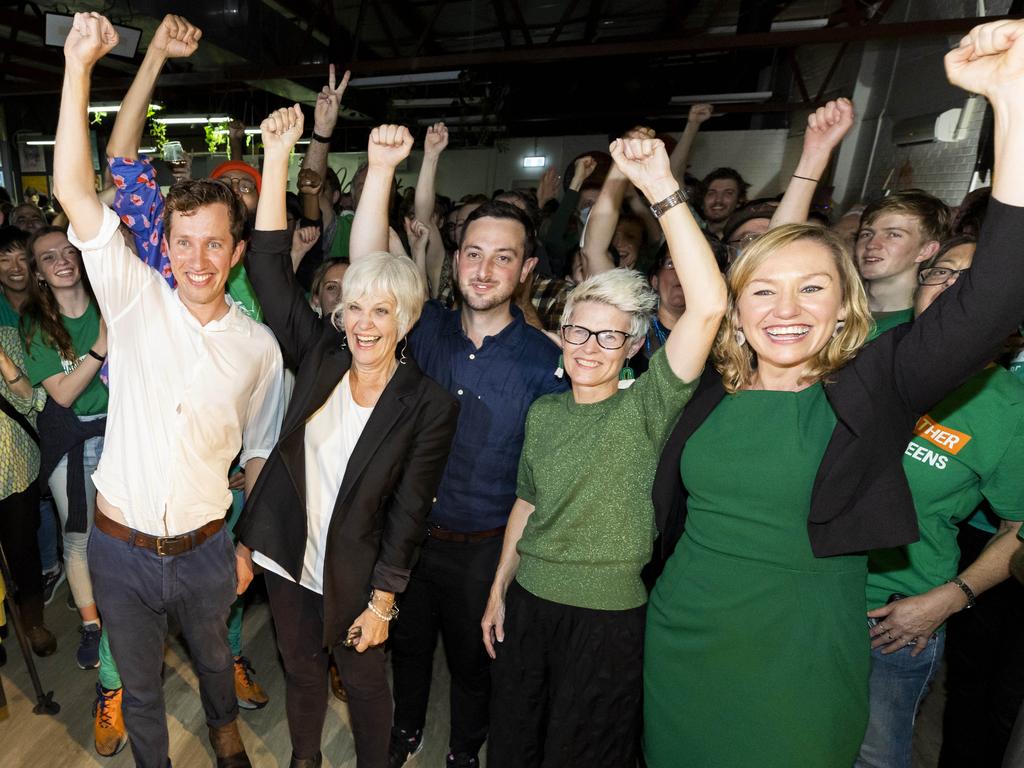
(968, 448)
(886, 320)
(588, 469)
(240, 289)
(19, 455)
(342, 234)
(8, 317)
(42, 360)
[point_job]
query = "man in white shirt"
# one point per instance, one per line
(193, 380)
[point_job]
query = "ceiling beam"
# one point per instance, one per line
(590, 31)
(570, 9)
(521, 21)
(499, 14)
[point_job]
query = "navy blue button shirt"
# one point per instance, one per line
(495, 386)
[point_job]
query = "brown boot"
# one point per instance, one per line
(228, 747)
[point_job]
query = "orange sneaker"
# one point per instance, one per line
(250, 693)
(108, 729)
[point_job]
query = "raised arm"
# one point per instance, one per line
(389, 145)
(433, 145)
(325, 117)
(966, 326)
(284, 303)
(174, 38)
(74, 184)
(645, 163)
(680, 158)
(826, 127)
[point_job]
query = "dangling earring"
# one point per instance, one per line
(741, 337)
(319, 312)
(840, 324)
(626, 378)
(405, 345)
(560, 370)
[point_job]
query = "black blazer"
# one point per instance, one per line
(379, 518)
(861, 499)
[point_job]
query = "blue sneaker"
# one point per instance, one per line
(88, 654)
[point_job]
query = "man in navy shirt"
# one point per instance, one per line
(497, 365)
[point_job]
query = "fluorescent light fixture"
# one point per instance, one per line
(535, 161)
(94, 108)
(457, 120)
(793, 25)
(302, 141)
(721, 98)
(190, 120)
(147, 150)
(58, 25)
(440, 101)
(41, 142)
(417, 78)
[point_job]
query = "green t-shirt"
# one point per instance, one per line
(886, 320)
(8, 317)
(42, 360)
(588, 469)
(968, 448)
(240, 289)
(342, 234)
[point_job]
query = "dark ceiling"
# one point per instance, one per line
(524, 67)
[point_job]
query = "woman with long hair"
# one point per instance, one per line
(786, 467)
(65, 346)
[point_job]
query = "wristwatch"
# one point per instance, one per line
(662, 206)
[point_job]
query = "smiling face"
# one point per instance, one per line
(490, 263)
(891, 244)
(954, 259)
(371, 328)
(14, 270)
(27, 218)
(790, 307)
(721, 199)
(202, 253)
(589, 364)
(628, 239)
(58, 262)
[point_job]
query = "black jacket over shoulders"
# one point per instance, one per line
(379, 518)
(861, 499)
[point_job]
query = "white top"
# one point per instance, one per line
(183, 397)
(330, 437)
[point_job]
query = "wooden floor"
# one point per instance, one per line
(66, 741)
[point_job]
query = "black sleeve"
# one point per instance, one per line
(314, 256)
(964, 329)
(285, 308)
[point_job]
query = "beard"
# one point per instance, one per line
(484, 303)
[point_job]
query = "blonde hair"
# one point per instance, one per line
(624, 289)
(383, 273)
(737, 363)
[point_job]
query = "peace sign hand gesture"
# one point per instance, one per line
(328, 102)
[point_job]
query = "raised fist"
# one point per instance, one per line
(91, 38)
(643, 161)
(281, 129)
(176, 37)
(309, 182)
(583, 167)
(389, 145)
(826, 126)
(699, 113)
(236, 130)
(436, 139)
(990, 60)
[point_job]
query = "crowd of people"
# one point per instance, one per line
(677, 477)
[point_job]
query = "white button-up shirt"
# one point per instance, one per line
(184, 397)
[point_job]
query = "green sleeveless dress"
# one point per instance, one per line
(757, 652)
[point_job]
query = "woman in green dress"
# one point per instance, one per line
(785, 468)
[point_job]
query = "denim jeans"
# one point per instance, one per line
(136, 590)
(899, 683)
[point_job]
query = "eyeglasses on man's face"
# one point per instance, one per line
(938, 275)
(607, 339)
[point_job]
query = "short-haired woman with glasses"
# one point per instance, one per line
(565, 619)
(967, 449)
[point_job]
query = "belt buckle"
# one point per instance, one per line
(165, 545)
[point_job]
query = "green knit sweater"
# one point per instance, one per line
(588, 470)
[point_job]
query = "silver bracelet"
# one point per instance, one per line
(968, 592)
(389, 616)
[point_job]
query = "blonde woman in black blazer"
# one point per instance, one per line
(338, 513)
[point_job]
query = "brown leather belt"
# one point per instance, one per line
(162, 545)
(443, 534)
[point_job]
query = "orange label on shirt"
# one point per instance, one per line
(946, 438)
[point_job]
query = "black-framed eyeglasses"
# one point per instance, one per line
(607, 339)
(939, 275)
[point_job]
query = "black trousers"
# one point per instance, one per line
(984, 669)
(447, 594)
(19, 519)
(299, 623)
(568, 686)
